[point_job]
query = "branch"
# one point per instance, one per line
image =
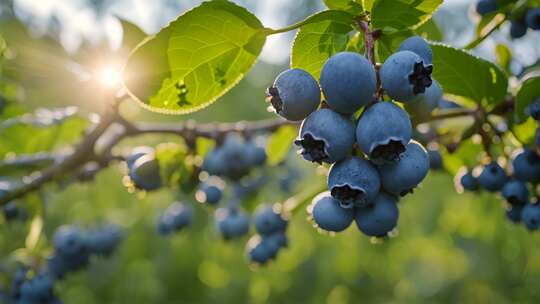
(495, 24)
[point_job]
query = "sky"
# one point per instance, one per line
(78, 22)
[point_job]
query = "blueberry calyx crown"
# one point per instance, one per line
(272, 94)
(313, 148)
(348, 196)
(389, 152)
(421, 77)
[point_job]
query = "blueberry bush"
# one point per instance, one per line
(252, 199)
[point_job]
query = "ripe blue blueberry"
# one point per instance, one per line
(468, 182)
(533, 18)
(176, 217)
(405, 75)
(419, 46)
(255, 153)
(492, 178)
(295, 94)
(383, 131)
(353, 182)
(236, 161)
(214, 162)
(484, 7)
(11, 211)
(138, 152)
(526, 166)
(232, 223)
(329, 215)
(380, 218)
(435, 159)
(326, 136)
(268, 221)
(104, 240)
(276, 241)
(348, 81)
(145, 173)
(403, 176)
(515, 192)
(38, 289)
(518, 29)
(513, 213)
(210, 191)
(69, 241)
(533, 109)
(259, 250)
(422, 105)
(530, 216)
(537, 138)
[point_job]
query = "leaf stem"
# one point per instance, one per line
(292, 27)
(495, 24)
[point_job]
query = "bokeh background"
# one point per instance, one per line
(451, 248)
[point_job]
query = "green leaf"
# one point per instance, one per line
(387, 44)
(350, 6)
(3, 46)
(399, 15)
(529, 91)
(280, 143)
(465, 75)
(132, 35)
(327, 34)
(525, 132)
(504, 56)
(430, 30)
(367, 4)
(195, 59)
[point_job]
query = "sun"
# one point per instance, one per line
(109, 76)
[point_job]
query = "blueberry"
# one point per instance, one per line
(353, 182)
(295, 94)
(419, 46)
(329, 215)
(383, 131)
(513, 213)
(533, 18)
(38, 289)
(537, 138)
(484, 7)
(69, 241)
(468, 181)
(533, 109)
(326, 136)
(11, 211)
(515, 192)
(268, 221)
(348, 81)
(236, 161)
(492, 178)
(531, 216)
(214, 162)
(276, 241)
(526, 166)
(176, 217)
(104, 240)
(255, 152)
(401, 177)
(379, 218)
(259, 251)
(145, 173)
(231, 223)
(405, 75)
(209, 193)
(423, 104)
(435, 159)
(138, 152)
(518, 29)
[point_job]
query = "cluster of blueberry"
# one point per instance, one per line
(73, 248)
(514, 187)
(11, 211)
(271, 225)
(374, 162)
(521, 20)
(176, 217)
